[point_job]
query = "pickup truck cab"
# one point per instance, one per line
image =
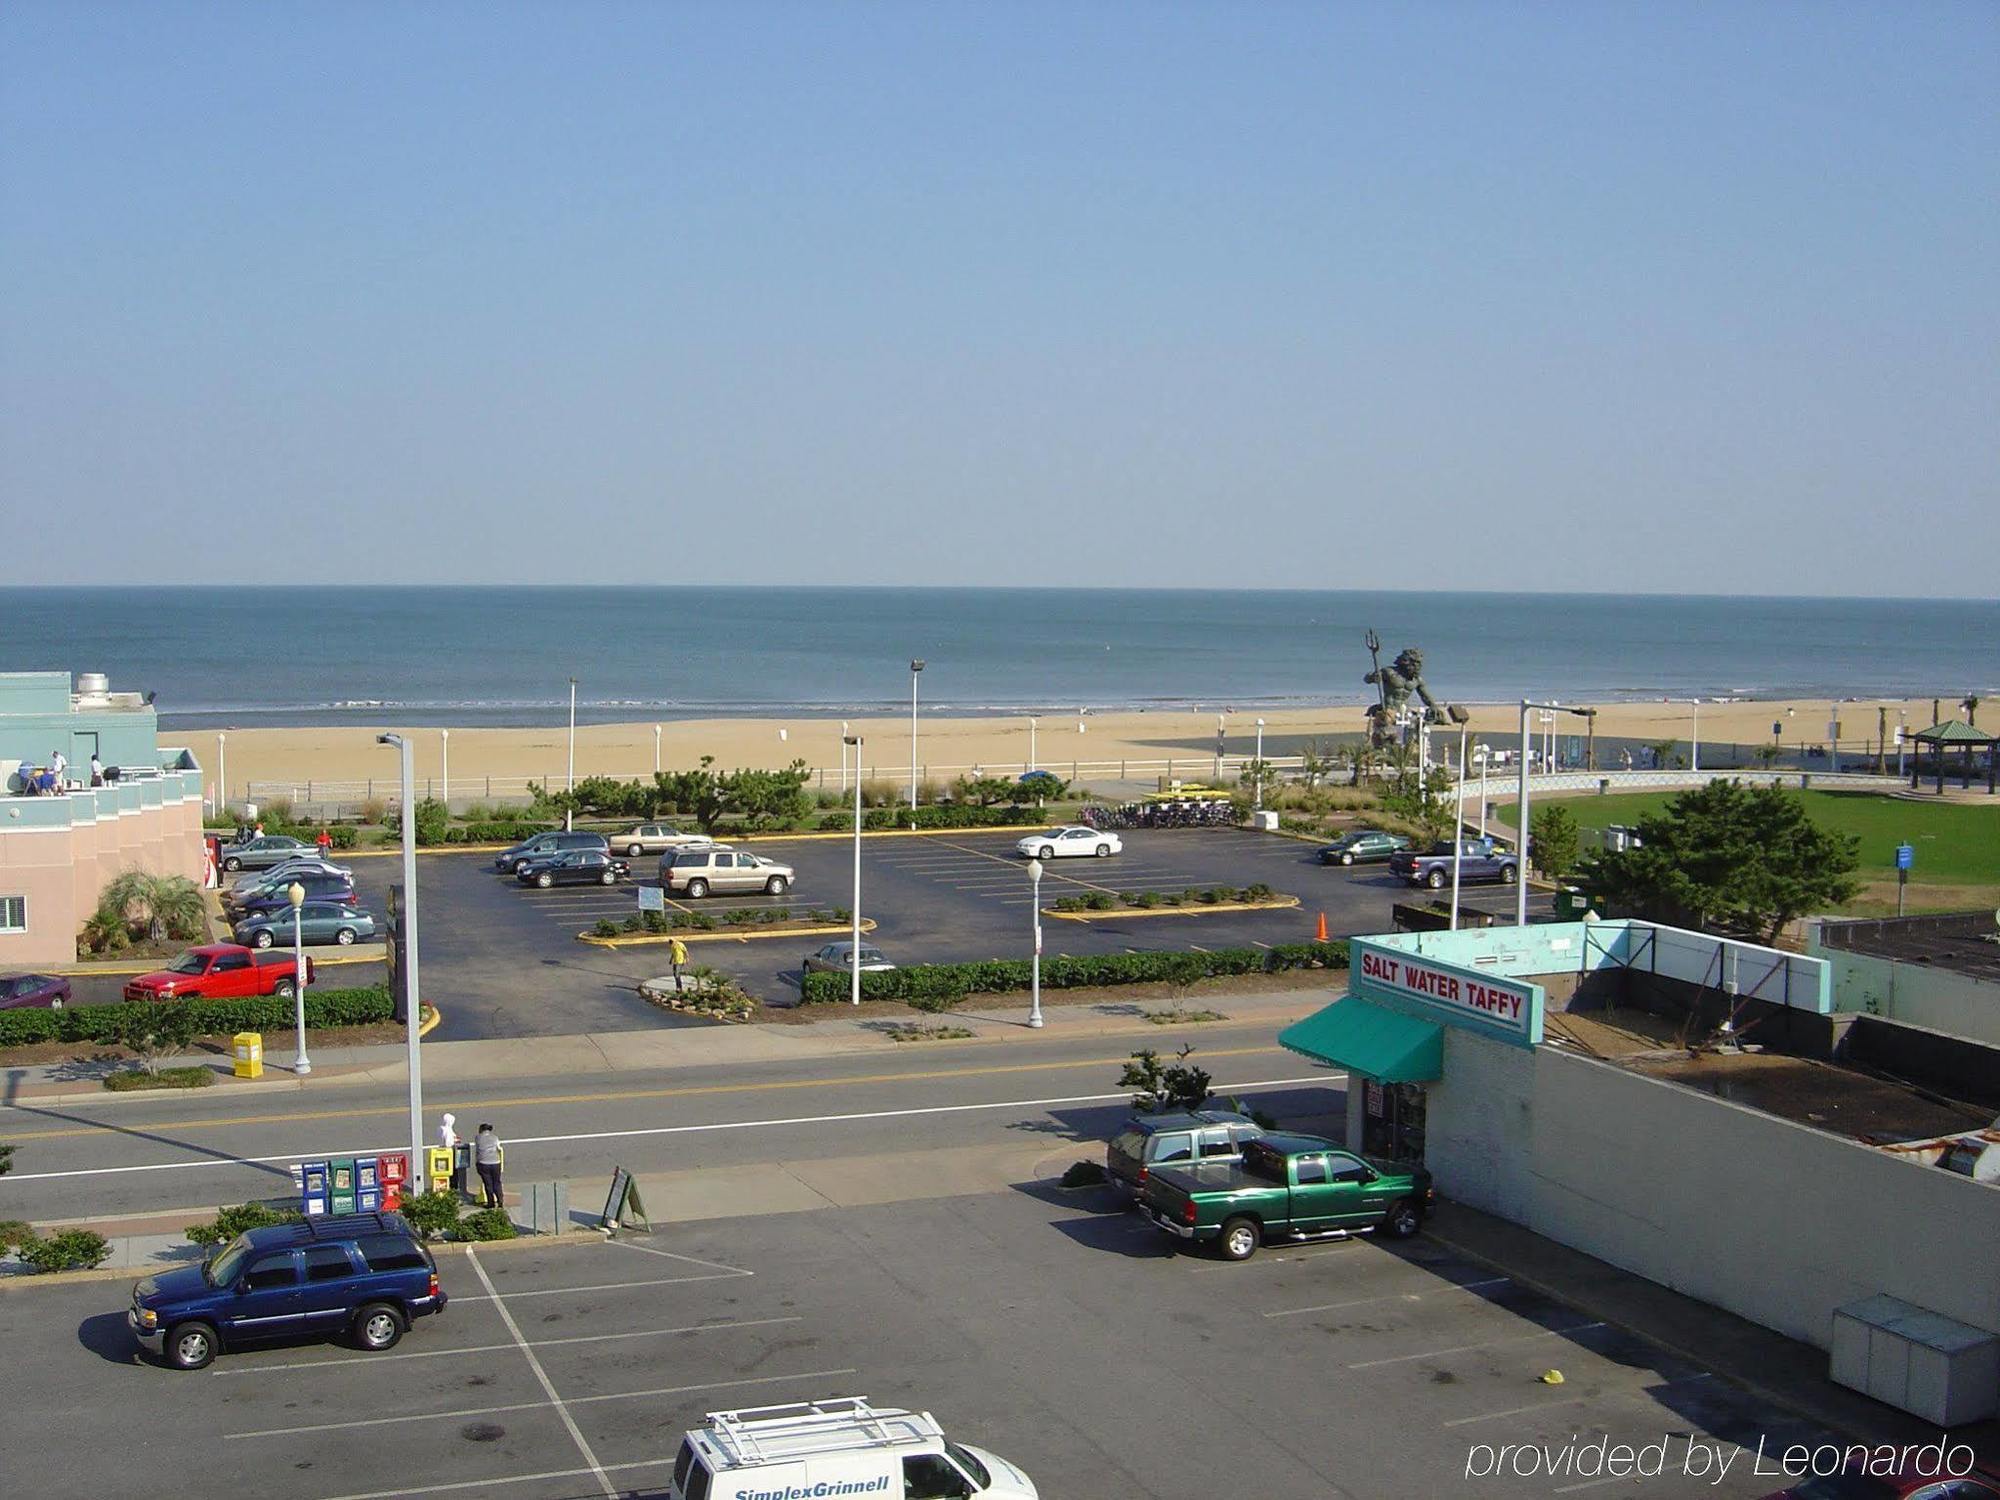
(219, 971)
(1479, 862)
(1287, 1187)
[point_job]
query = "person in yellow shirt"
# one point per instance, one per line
(677, 954)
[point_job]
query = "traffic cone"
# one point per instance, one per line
(1320, 936)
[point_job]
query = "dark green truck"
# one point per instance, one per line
(1287, 1187)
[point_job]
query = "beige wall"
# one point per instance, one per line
(1777, 1222)
(61, 870)
(1917, 994)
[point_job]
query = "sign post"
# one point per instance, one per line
(1906, 856)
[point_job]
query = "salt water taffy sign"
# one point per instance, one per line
(1506, 1009)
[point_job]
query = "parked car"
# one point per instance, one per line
(1063, 843)
(366, 1276)
(655, 838)
(263, 851)
(555, 841)
(257, 888)
(837, 958)
(1479, 863)
(218, 971)
(694, 872)
(573, 867)
(1294, 1187)
(21, 991)
(1360, 846)
(271, 898)
(319, 922)
(1174, 1139)
(1907, 1482)
(303, 864)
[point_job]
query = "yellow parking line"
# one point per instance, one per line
(613, 1096)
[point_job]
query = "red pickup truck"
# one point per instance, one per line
(218, 971)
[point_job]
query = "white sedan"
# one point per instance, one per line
(1059, 843)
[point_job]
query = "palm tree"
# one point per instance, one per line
(162, 906)
(1970, 703)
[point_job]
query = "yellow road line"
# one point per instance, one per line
(619, 1095)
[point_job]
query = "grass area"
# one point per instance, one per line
(1956, 845)
(166, 1078)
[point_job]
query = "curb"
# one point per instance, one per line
(1288, 903)
(642, 939)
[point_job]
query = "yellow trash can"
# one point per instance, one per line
(249, 1054)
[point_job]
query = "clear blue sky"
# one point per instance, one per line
(1665, 297)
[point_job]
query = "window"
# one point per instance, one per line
(13, 913)
(1217, 1143)
(1172, 1148)
(388, 1252)
(328, 1263)
(1311, 1169)
(229, 961)
(930, 1476)
(272, 1272)
(1347, 1169)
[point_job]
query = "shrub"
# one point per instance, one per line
(71, 1250)
(1177, 1085)
(605, 928)
(939, 986)
(1099, 901)
(432, 1214)
(484, 1224)
(230, 1222)
(14, 1233)
(374, 810)
(344, 835)
(1083, 1174)
(364, 1006)
(1259, 892)
(128, 1079)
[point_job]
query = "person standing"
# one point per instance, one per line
(486, 1157)
(325, 842)
(58, 763)
(96, 770)
(448, 1138)
(677, 954)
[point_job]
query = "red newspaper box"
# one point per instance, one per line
(392, 1172)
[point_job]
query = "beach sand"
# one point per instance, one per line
(949, 747)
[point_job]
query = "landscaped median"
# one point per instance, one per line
(1097, 906)
(739, 925)
(941, 986)
(366, 1006)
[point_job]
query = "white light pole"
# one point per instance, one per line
(1032, 762)
(656, 749)
(843, 756)
(1258, 803)
(854, 952)
(411, 991)
(444, 738)
(572, 734)
(916, 666)
(1035, 906)
(296, 894)
(1458, 824)
(1220, 732)
(1521, 844)
(1694, 741)
(1485, 760)
(221, 773)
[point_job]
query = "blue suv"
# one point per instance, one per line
(362, 1275)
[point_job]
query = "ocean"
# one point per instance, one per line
(226, 656)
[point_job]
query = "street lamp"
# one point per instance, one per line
(1694, 740)
(572, 734)
(444, 735)
(1035, 906)
(1521, 844)
(296, 894)
(1219, 741)
(854, 950)
(843, 756)
(1032, 762)
(916, 666)
(408, 966)
(1458, 814)
(1258, 803)
(656, 749)
(221, 773)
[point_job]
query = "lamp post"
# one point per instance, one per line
(1694, 739)
(1485, 760)
(1258, 794)
(296, 894)
(854, 950)
(221, 773)
(843, 757)
(656, 749)
(572, 734)
(414, 1005)
(916, 666)
(444, 770)
(1035, 972)
(1521, 870)
(1458, 818)
(1032, 762)
(1220, 732)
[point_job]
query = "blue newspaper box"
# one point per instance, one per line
(312, 1188)
(367, 1200)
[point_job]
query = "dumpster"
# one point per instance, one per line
(312, 1188)
(340, 1184)
(249, 1049)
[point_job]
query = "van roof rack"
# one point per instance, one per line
(757, 1434)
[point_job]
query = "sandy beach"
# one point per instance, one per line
(950, 747)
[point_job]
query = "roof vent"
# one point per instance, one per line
(92, 685)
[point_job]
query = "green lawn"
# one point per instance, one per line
(1956, 845)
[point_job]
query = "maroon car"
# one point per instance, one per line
(1906, 1483)
(50, 991)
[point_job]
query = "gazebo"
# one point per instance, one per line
(1955, 734)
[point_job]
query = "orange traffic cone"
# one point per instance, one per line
(1320, 936)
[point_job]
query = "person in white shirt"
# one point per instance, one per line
(96, 770)
(58, 763)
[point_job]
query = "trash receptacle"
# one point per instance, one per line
(249, 1048)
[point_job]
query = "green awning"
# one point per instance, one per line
(1371, 1039)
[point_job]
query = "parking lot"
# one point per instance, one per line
(1049, 1327)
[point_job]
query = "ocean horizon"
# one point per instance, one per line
(481, 655)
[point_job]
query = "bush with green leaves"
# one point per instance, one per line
(128, 1080)
(230, 1222)
(151, 1032)
(364, 1006)
(14, 1233)
(939, 986)
(1162, 1087)
(484, 1224)
(140, 906)
(6, 1160)
(1553, 846)
(433, 1215)
(69, 1250)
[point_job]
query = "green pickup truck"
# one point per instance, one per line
(1287, 1187)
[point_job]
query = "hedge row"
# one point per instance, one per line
(98, 1023)
(476, 833)
(933, 815)
(939, 986)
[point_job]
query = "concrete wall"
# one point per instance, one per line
(1777, 1222)
(1916, 994)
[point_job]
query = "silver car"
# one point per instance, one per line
(837, 958)
(655, 838)
(306, 864)
(695, 872)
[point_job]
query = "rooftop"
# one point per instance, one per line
(1827, 1096)
(1962, 942)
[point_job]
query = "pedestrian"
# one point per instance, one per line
(96, 770)
(448, 1138)
(58, 763)
(677, 954)
(325, 842)
(486, 1157)
(258, 831)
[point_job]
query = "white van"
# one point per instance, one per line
(837, 1447)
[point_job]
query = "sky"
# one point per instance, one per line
(1543, 296)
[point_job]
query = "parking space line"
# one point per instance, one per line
(542, 1377)
(1517, 1411)
(612, 1286)
(688, 1259)
(491, 1411)
(1462, 1286)
(481, 1484)
(1588, 1484)
(587, 1338)
(1546, 1333)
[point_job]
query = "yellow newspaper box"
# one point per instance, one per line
(437, 1168)
(249, 1054)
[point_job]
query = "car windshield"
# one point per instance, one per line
(222, 1270)
(975, 1470)
(188, 963)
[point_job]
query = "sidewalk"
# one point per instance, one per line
(612, 1052)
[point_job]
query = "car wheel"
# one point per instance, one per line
(696, 889)
(633, 851)
(1103, 851)
(776, 885)
(1347, 859)
(1239, 1239)
(284, 989)
(545, 880)
(1047, 851)
(262, 938)
(377, 1327)
(1435, 880)
(1403, 1220)
(345, 937)
(1508, 875)
(608, 877)
(190, 1346)
(232, 864)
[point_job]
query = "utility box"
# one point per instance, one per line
(1264, 822)
(249, 1050)
(548, 1207)
(1917, 1360)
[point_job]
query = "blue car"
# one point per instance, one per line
(365, 1277)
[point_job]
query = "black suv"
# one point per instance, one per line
(363, 1275)
(542, 845)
